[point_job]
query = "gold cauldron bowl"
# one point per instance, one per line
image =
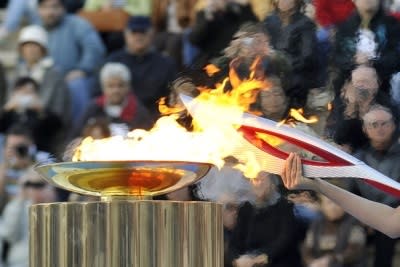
(140, 179)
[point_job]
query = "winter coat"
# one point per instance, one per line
(385, 162)
(212, 36)
(272, 230)
(133, 115)
(298, 41)
(151, 75)
(52, 88)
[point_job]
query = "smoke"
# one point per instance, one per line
(227, 181)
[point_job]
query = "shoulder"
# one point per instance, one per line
(119, 54)
(77, 23)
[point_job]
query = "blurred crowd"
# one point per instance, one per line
(99, 68)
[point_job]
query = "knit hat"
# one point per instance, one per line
(34, 34)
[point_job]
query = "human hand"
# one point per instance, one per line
(75, 74)
(292, 174)
(321, 262)
(213, 6)
(11, 104)
(244, 261)
(261, 260)
(23, 101)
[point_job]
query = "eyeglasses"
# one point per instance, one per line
(35, 185)
(378, 124)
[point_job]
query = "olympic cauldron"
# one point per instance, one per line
(125, 228)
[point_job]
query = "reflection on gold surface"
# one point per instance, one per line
(139, 181)
(130, 178)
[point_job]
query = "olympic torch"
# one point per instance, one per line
(332, 162)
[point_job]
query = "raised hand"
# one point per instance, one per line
(292, 174)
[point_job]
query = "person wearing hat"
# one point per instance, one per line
(38, 65)
(151, 72)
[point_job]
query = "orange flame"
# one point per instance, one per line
(212, 140)
(211, 69)
(298, 115)
(167, 110)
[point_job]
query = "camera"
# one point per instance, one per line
(24, 151)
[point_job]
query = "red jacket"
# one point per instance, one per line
(332, 12)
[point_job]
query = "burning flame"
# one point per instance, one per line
(210, 141)
(213, 138)
(211, 69)
(298, 115)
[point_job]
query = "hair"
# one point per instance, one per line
(300, 4)
(93, 123)
(23, 81)
(19, 130)
(115, 70)
(377, 107)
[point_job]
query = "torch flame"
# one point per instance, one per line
(212, 139)
(298, 115)
(211, 69)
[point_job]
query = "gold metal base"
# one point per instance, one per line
(126, 233)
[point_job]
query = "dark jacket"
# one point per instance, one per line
(298, 41)
(387, 36)
(151, 75)
(343, 237)
(272, 230)
(213, 36)
(133, 114)
(387, 163)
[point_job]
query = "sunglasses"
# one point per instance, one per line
(35, 185)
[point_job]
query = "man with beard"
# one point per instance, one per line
(75, 47)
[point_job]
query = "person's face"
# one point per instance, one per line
(31, 52)
(273, 100)
(330, 209)
(51, 12)
(138, 42)
(11, 155)
(262, 186)
(27, 89)
(379, 126)
(115, 90)
(310, 11)
(38, 191)
(367, 6)
(286, 5)
(365, 82)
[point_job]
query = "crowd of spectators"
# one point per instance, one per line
(99, 67)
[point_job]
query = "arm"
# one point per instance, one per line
(92, 48)
(306, 56)
(379, 216)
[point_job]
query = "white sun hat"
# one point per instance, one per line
(34, 34)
